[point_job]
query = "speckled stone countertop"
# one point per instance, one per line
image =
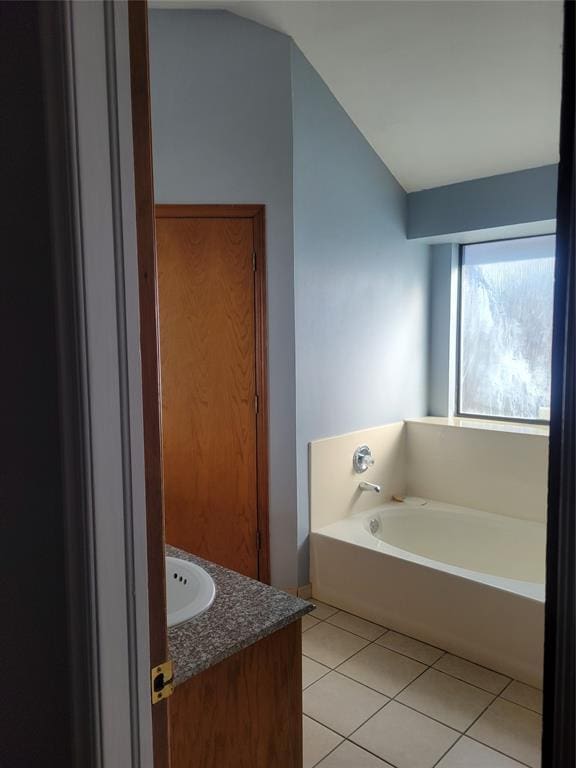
(243, 612)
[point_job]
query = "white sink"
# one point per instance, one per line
(190, 590)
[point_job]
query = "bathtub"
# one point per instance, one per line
(470, 582)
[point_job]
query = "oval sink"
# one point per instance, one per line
(190, 590)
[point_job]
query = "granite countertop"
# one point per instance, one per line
(243, 612)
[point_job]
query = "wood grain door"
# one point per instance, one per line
(208, 353)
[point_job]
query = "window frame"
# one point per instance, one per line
(457, 398)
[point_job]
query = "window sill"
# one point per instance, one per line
(518, 428)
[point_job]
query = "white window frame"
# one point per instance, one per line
(457, 349)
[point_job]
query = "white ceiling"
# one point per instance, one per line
(444, 90)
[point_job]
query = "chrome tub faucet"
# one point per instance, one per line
(364, 486)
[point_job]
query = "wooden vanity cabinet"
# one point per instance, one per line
(246, 711)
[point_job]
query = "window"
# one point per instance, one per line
(505, 328)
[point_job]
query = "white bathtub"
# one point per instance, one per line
(468, 581)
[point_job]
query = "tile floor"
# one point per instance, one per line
(374, 698)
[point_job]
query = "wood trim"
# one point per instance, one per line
(145, 225)
(257, 214)
(168, 211)
(261, 315)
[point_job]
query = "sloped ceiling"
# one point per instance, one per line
(444, 91)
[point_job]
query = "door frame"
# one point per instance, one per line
(256, 213)
(149, 353)
(93, 216)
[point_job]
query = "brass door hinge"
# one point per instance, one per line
(162, 682)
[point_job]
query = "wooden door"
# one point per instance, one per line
(209, 350)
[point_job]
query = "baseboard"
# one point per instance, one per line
(304, 592)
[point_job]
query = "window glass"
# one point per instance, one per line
(506, 328)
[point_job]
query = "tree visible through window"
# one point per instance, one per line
(506, 328)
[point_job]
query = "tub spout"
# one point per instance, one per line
(369, 487)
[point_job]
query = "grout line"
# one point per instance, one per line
(464, 682)
(408, 685)
(385, 630)
(304, 688)
(385, 761)
(342, 739)
(440, 722)
(444, 653)
(510, 701)
(480, 666)
(435, 719)
(347, 738)
(428, 666)
(389, 629)
(522, 706)
(495, 749)
(393, 650)
(461, 734)
(405, 655)
(385, 695)
(481, 713)
(443, 755)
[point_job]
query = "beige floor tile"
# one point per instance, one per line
(523, 694)
(416, 649)
(470, 754)
(348, 755)
(312, 671)
(340, 703)
(308, 622)
(330, 645)
(322, 610)
(318, 741)
(381, 669)
(445, 698)
(405, 738)
(511, 729)
(356, 625)
(472, 673)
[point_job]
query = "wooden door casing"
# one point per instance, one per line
(212, 365)
(147, 287)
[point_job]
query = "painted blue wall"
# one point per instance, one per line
(441, 329)
(222, 133)
(506, 200)
(240, 116)
(361, 289)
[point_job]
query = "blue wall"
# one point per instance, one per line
(442, 330)
(506, 200)
(239, 115)
(222, 133)
(361, 288)
(510, 205)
